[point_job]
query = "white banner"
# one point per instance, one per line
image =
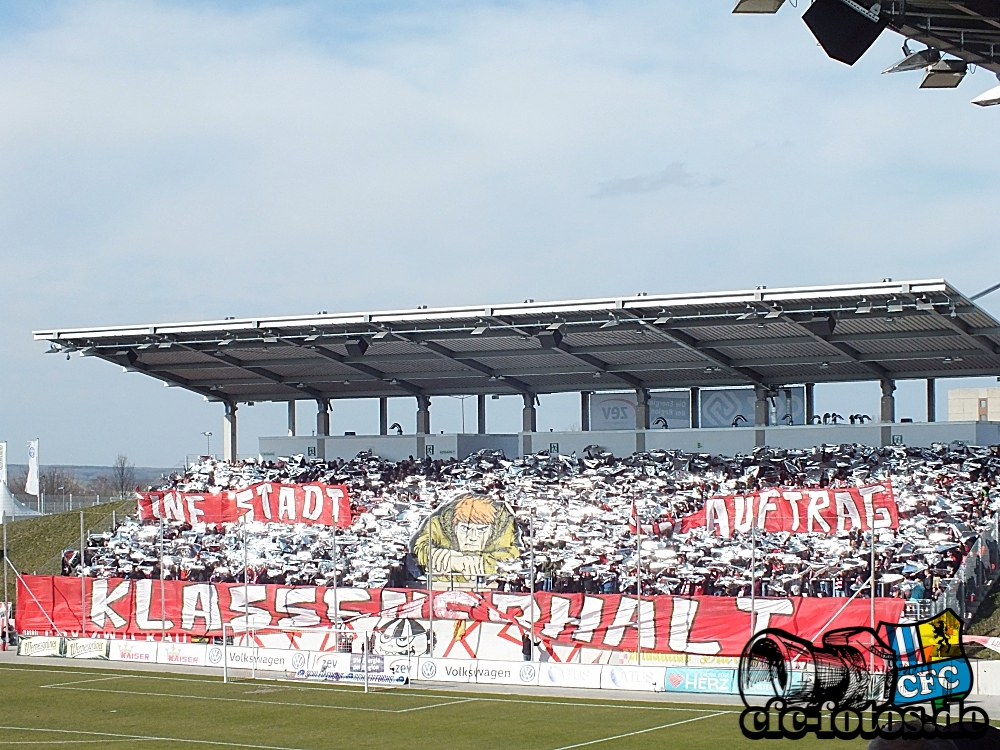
(266, 659)
(633, 678)
(570, 675)
(506, 672)
(88, 648)
(39, 646)
(31, 483)
(616, 411)
(446, 670)
(480, 671)
(183, 654)
(143, 652)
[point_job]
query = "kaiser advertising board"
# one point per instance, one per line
(143, 652)
(183, 654)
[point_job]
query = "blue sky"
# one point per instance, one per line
(185, 161)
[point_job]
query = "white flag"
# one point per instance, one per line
(31, 485)
(3, 463)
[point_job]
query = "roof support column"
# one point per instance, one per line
(229, 433)
(931, 400)
(481, 414)
(291, 419)
(322, 418)
(695, 408)
(383, 416)
(641, 419)
(810, 402)
(529, 422)
(423, 415)
(887, 411)
(641, 409)
(585, 410)
(760, 407)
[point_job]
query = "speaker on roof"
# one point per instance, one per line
(845, 29)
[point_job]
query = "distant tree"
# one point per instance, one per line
(16, 479)
(102, 485)
(57, 482)
(123, 476)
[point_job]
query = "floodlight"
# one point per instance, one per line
(271, 339)
(89, 351)
(758, 6)
(664, 318)
(225, 342)
(749, 312)
(53, 349)
(552, 336)
(864, 307)
(380, 335)
(914, 61)
(989, 98)
(894, 306)
(310, 339)
(356, 347)
(845, 29)
(775, 313)
(923, 303)
(480, 329)
(945, 74)
(612, 322)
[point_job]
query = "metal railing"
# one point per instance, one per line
(974, 577)
(53, 566)
(48, 504)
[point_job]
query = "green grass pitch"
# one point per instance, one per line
(62, 707)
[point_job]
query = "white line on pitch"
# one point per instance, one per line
(434, 705)
(104, 741)
(148, 738)
(81, 682)
(230, 700)
(641, 731)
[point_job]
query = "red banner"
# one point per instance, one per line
(825, 511)
(706, 625)
(316, 503)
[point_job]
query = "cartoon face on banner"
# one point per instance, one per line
(400, 637)
(467, 536)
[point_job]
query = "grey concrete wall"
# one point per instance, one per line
(469, 444)
(721, 441)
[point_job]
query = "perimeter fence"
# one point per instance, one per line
(47, 504)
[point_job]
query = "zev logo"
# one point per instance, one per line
(617, 410)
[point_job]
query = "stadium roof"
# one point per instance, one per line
(767, 337)
(969, 29)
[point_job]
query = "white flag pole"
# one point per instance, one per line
(753, 568)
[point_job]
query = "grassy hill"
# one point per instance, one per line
(35, 545)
